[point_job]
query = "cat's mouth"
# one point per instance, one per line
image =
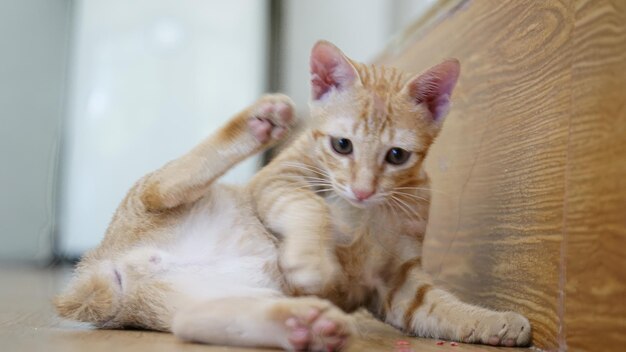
(345, 193)
(363, 204)
(371, 201)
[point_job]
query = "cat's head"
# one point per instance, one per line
(374, 125)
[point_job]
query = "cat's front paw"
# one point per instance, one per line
(271, 118)
(500, 329)
(310, 273)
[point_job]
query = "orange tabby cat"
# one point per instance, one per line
(350, 200)
(346, 207)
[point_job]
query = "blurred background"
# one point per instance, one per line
(96, 93)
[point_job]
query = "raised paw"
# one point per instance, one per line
(316, 325)
(502, 329)
(271, 117)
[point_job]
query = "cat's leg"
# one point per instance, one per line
(189, 177)
(288, 206)
(298, 324)
(417, 307)
(302, 219)
(121, 292)
(93, 295)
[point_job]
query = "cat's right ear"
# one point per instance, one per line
(433, 88)
(330, 69)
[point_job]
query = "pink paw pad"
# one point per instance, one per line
(494, 341)
(261, 129)
(510, 342)
(271, 120)
(314, 332)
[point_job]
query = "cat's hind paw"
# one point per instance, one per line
(317, 325)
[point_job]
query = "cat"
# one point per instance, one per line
(340, 214)
(350, 200)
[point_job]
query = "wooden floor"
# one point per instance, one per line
(28, 323)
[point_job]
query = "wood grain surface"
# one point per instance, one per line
(595, 208)
(529, 174)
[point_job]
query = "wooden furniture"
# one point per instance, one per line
(529, 174)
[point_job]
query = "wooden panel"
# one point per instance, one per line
(529, 174)
(498, 168)
(595, 253)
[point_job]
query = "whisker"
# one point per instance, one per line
(317, 180)
(309, 168)
(323, 190)
(405, 202)
(304, 176)
(313, 185)
(422, 189)
(411, 195)
(318, 169)
(387, 207)
(415, 211)
(313, 179)
(408, 207)
(400, 207)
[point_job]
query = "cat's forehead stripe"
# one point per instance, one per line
(381, 79)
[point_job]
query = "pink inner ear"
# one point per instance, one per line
(329, 69)
(434, 87)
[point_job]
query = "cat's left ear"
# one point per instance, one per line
(434, 87)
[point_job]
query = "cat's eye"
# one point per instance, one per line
(341, 145)
(397, 156)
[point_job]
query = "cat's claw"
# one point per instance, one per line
(271, 118)
(501, 329)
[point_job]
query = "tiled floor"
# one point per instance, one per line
(28, 323)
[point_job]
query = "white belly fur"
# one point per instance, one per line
(219, 250)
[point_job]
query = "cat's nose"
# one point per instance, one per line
(362, 194)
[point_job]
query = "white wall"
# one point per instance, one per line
(407, 11)
(150, 79)
(33, 47)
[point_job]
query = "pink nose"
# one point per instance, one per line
(362, 194)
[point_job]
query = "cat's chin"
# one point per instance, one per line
(359, 205)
